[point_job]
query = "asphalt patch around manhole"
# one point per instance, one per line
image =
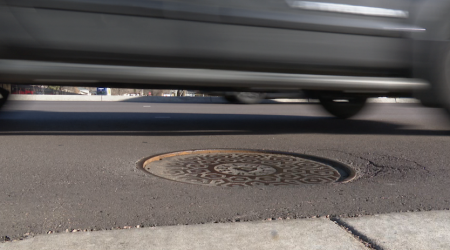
(243, 168)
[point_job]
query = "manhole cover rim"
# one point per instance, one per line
(338, 166)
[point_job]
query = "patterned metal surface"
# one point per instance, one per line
(242, 169)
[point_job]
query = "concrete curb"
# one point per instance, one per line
(410, 230)
(95, 98)
(303, 234)
(161, 99)
(415, 231)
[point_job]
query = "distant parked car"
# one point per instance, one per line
(84, 92)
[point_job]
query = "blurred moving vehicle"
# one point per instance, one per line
(339, 51)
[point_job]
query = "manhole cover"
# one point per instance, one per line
(245, 168)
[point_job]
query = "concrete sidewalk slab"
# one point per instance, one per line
(308, 234)
(85, 98)
(162, 99)
(98, 98)
(419, 230)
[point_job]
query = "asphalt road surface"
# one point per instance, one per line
(72, 165)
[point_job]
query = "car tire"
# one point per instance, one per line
(343, 108)
(230, 98)
(245, 97)
(438, 74)
(3, 96)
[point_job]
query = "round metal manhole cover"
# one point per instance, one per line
(230, 168)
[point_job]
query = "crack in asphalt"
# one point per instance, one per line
(380, 168)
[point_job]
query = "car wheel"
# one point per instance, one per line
(245, 97)
(439, 75)
(343, 108)
(3, 96)
(230, 98)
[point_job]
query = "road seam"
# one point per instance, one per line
(366, 241)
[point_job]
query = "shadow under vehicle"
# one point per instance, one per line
(340, 51)
(253, 97)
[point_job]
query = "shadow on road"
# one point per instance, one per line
(189, 124)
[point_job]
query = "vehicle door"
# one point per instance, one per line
(267, 35)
